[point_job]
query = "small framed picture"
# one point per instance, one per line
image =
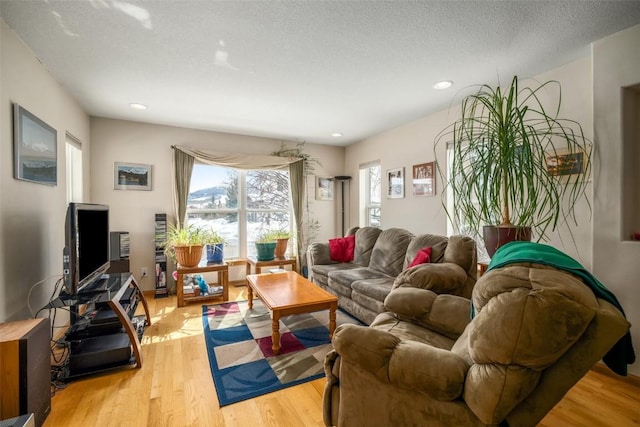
(395, 183)
(131, 176)
(424, 179)
(324, 188)
(559, 164)
(35, 152)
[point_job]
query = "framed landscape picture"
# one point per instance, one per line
(395, 183)
(424, 179)
(324, 188)
(559, 164)
(132, 176)
(35, 152)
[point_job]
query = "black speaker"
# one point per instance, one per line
(26, 369)
(119, 245)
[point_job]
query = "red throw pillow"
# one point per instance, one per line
(422, 257)
(342, 248)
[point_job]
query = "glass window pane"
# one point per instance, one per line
(225, 224)
(375, 180)
(267, 189)
(259, 222)
(374, 217)
(213, 187)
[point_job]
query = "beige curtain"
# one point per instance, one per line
(182, 168)
(183, 160)
(297, 188)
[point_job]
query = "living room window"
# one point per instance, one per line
(239, 204)
(370, 193)
(73, 153)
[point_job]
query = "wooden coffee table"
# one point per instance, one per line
(289, 293)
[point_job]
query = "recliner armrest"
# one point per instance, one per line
(406, 364)
(445, 277)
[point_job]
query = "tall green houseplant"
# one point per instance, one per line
(515, 166)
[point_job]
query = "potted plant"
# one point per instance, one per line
(215, 246)
(499, 176)
(185, 244)
(282, 240)
(265, 246)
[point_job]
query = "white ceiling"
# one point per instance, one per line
(299, 70)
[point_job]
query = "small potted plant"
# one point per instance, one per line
(185, 244)
(281, 237)
(215, 246)
(265, 246)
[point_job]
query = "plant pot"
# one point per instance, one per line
(266, 251)
(215, 253)
(498, 235)
(188, 256)
(281, 247)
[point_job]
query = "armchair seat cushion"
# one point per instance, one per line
(410, 331)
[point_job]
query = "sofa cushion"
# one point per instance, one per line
(365, 239)
(437, 244)
(347, 277)
(410, 331)
(321, 271)
(387, 255)
(342, 248)
(375, 288)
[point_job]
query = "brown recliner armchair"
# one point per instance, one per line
(536, 331)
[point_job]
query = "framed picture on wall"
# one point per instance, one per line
(35, 153)
(424, 179)
(324, 188)
(559, 164)
(395, 183)
(131, 176)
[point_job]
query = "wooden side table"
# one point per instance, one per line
(223, 280)
(277, 262)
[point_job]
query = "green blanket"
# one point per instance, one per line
(622, 352)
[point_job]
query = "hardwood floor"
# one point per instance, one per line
(174, 387)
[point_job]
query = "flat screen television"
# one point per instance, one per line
(86, 253)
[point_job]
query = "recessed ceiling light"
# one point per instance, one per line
(336, 134)
(445, 84)
(137, 106)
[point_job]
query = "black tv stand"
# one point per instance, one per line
(100, 332)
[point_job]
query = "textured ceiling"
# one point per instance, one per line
(299, 70)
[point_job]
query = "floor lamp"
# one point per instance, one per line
(342, 179)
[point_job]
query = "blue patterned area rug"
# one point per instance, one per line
(242, 363)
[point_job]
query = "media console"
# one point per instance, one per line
(107, 332)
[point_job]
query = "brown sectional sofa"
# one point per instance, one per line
(380, 263)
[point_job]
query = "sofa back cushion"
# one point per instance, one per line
(437, 244)
(389, 252)
(365, 239)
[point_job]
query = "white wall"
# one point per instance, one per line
(413, 143)
(616, 64)
(32, 215)
(133, 142)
